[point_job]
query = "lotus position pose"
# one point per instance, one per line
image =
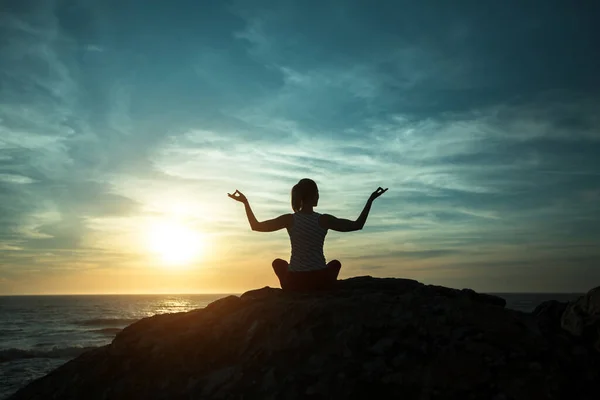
(307, 269)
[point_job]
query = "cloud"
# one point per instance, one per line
(18, 179)
(94, 48)
(420, 254)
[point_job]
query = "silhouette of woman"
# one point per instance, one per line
(307, 269)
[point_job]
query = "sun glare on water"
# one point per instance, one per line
(176, 244)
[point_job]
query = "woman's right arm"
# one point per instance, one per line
(345, 225)
(275, 224)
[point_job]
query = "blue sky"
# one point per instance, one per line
(483, 119)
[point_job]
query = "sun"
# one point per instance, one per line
(176, 244)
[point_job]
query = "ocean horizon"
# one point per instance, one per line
(41, 332)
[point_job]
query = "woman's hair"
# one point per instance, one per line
(303, 191)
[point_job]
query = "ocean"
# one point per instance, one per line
(39, 333)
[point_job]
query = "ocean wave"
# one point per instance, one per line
(12, 354)
(107, 331)
(106, 321)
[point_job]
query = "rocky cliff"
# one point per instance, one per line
(369, 338)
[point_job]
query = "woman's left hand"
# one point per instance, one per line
(238, 196)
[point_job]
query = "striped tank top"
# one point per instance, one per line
(307, 238)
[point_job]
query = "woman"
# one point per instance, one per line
(307, 269)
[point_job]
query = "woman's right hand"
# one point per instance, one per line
(377, 193)
(238, 196)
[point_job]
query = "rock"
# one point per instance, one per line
(535, 366)
(382, 345)
(581, 318)
(367, 338)
(470, 295)
(548, 315)
(484, 297)
(269, 380)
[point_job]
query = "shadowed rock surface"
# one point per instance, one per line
(369, 338)
(582, 318)
(548, 315)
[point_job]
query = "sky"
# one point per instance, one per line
(125, 123)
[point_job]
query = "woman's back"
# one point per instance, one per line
(307, 238)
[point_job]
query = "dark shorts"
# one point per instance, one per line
(306, 281)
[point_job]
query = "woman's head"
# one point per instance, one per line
(304, 193)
